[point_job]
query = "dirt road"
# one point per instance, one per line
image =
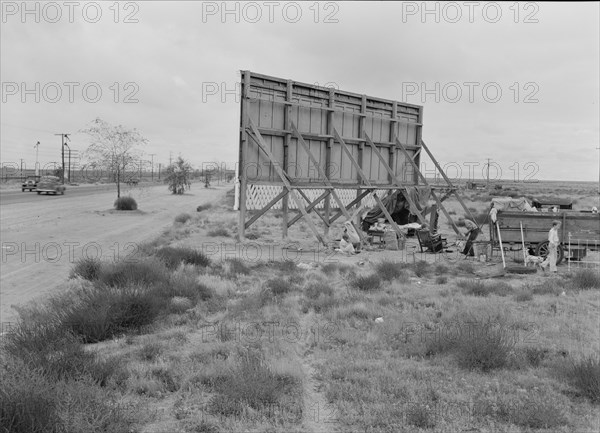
(42, 236)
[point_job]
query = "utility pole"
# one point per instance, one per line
(152, 163)
(159, 171)
(63, 142)
(21, 169)
(37, 169)
(487, 184)
(170, 158)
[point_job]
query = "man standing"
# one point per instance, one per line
(553, 242)
(472, 233)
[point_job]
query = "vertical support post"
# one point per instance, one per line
(330, 119)
(361, 148)
(243, 154)
(419, 134)
(393, 136)
(286, 148)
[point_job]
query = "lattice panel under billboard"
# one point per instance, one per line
(258, 196)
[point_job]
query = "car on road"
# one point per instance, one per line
(30, 183)
(50, 185)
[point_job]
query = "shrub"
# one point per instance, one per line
(366, 283)
(547, 288)
(422, 268)
(146, 272)
(56, 354)
(125, 203)
(523, 296)
(388, 271)
(87, 268)
(102, 312)
(203, 207)
(319, 305)
(485, 347)
(473, 287)
(466, 267)
(420, 415)
(314, 289)
(499, 288)
(174, 256)
(535, 355)
(182, 218)
(254, 384)
(441, 279)
(218, 232)
(150, 351)
(236, 267)
(584, 375)
(27, 401)
(179, 304)
(586, 279)
(441, 269)
(279, 286)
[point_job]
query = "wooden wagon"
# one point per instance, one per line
(583, 228)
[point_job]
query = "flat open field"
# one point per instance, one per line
(189, 330)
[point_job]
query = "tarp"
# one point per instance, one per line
(512, 204)
(396, 204)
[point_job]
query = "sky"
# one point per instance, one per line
(517, 83)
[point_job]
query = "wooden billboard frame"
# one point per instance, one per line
(251, 132)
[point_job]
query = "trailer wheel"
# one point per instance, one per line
(542, 251)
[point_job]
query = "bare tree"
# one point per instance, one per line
(113, 148)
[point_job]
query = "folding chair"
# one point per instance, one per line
(431, 243)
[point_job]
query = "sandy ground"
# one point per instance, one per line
(43, 236)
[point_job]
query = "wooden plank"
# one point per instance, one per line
(304, 196)
(243, 157)
(328, 157)
(310, 207)
(286, 157)
(268, 206)
(395, 178)
(284, 179)
(339, 111)
(366, 181)
(326, 181)
(349, 205)
(325, 137)
(439, 203)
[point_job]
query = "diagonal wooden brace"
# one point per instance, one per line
(413, 206)
(464, 206)
(439, 203)
(326, 180)
(339, 138)
(263, 146)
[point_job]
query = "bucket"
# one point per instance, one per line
(391, 240)
(401, 243)
(481, 250)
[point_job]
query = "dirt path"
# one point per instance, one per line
(319, 416)
(42, 238)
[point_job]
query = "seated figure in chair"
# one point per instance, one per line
(432, 241)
